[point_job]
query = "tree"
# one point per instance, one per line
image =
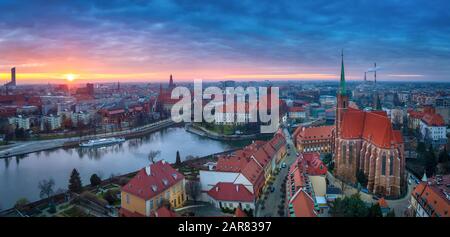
(420, 149)
(391, 213)
(351, 206)
(21, 203)
(443, 156)
(375, 211)
(46, 188)
(95, 180)
(20, 133)
(430, 162)
(193, 189)
(152, 155)
(75, 184)
(111, 196)
(178, 159)
(362, 178)
(327, 158)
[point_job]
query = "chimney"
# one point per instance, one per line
(148, 171)
(13, 76)
(217, 188)
(237, 187)
(375, 73)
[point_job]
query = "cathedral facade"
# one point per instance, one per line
(366, 144)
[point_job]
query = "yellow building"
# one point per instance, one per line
(152, 186)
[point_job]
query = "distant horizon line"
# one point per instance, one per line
(85, 81)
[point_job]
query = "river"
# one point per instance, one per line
(19, 176)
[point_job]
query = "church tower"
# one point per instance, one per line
(171, 85)
(342, 99)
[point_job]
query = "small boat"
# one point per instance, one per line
(102, 142)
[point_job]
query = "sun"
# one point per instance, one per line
(70, 77)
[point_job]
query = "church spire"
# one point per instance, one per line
(342, 89)
(378, 103)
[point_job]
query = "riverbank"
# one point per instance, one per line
(38, 208)
(216, 136)
(26, 147)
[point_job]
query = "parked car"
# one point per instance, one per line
(283, 165)
(364, 190)
(272, 189)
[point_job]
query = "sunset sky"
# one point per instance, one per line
(148, 40)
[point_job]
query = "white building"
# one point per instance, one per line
(230, 116)
(231, 196)
(80, 117)
(297, 112)
(210, 178)
(52, 122)
(20, 122)
(432, 127)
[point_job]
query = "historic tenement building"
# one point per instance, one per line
(365, 141)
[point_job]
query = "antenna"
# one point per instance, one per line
(365, 78)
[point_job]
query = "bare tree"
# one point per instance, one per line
(193, 189)
(46, 187)
(152, 155)
(343, 186)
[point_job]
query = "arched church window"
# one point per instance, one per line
(350, 153)
(391, 164)
(383, 164)
(344, 148)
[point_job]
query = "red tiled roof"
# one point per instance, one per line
(239, 213)
(433, 119)
(251, 160)
(382, 202)
(434, 196)
(255, 174)
(163, 212)
(314, 133)
(231, 192)
(125, 213)
(296, 109)
(373, 126)
(315, 166)
(415, 114)
(262, 157)
(303, 205)
(162, 176)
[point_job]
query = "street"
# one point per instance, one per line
(273, 199)
(399, 205)
(269, 201)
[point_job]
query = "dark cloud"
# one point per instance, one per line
(408, 37)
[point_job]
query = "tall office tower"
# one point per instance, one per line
(90, 89)
(13, 76)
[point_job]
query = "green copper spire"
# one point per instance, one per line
(342, 89)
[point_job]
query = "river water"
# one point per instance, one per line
(19, 176)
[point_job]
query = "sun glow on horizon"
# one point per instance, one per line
(70, 77)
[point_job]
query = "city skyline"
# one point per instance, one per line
(51, 42)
